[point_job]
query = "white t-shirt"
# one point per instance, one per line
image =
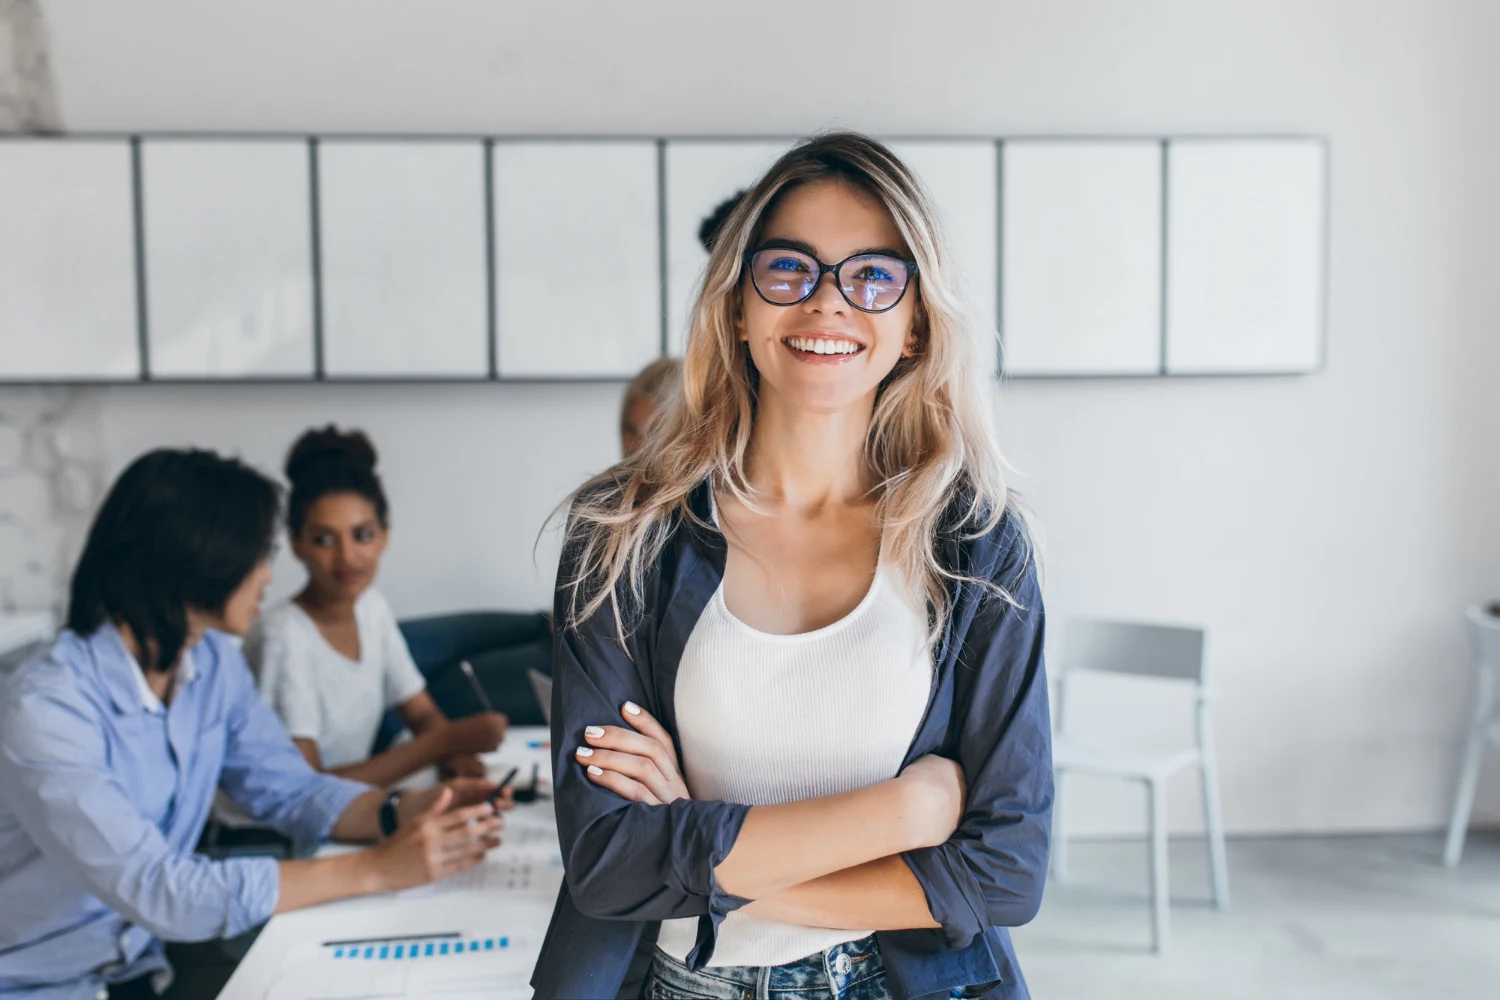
(766, 718)
(320, 693)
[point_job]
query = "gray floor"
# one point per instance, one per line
(1332, 918)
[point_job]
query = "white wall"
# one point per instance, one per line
(1327, 530)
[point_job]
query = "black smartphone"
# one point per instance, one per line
(494, 796)
(530, 793)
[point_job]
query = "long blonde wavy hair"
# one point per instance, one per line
(931, 436)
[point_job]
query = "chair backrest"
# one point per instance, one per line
(1129, 648)
(1484, 635)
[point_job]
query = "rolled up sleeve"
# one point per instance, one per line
(55, 774)
(267, 776)
(991, 872)
(629, 860)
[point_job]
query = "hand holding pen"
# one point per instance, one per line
(481, 733)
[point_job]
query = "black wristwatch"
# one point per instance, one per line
(388, 813)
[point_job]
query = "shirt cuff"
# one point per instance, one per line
(951, 890)
(710, 837)
(259, 882)
(325, 805)
(415, 686)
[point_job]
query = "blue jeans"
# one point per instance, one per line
(851, 971)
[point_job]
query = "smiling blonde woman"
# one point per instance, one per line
(800, 715)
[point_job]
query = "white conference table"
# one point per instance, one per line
(474, 936)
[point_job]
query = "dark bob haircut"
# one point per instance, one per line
(178, 530)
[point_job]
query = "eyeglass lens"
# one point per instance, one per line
(873, 282)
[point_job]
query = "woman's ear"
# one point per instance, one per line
(916, 338)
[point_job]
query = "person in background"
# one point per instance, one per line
(713, 223)
(646, 394)
(649, 390)
(113, 741)
(332, 659)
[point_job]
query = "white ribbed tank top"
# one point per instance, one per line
(764, 719)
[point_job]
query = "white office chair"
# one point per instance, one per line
(1152, 651)
(1484, 725)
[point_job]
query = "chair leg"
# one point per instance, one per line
(1213, 817)
(1213, 822)
(1468, 780)
(1059, 836)
(1160, 893)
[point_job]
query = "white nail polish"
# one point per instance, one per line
(595, 769)
(593, 732)
(632, 708)
(585, 751)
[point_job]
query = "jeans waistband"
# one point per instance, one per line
(836, 969)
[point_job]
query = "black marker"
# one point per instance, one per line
(439, 935)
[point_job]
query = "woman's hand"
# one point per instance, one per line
(936, 793)
(473, 734)
(443, 838)
(638, 766)
(462, 765)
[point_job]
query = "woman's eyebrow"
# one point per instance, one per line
(807, 248)
(785, 243)
(883, 251)
(373, 522)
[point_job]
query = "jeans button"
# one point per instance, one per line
(842, 964)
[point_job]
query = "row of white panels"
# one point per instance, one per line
(265, 258)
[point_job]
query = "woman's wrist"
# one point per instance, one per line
(438, 740)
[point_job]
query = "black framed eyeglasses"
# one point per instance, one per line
(870, 282)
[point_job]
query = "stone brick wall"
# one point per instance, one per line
(51, 439)
(51, 478)
(28, 99)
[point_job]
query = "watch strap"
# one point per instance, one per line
(388, 822)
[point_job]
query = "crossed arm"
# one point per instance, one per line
(826, 862)
(637, 847)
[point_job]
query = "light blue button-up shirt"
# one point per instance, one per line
(103, 795)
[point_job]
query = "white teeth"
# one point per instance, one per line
(822, 345)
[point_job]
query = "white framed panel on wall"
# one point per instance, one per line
(698, 176)
(228, 258)
(962, 177)
(1246, 235)
(404, 258)
(577, 258)
(68, 304)
(1081, 257)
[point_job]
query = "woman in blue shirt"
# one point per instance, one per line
(799, 711)
(113, 742)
